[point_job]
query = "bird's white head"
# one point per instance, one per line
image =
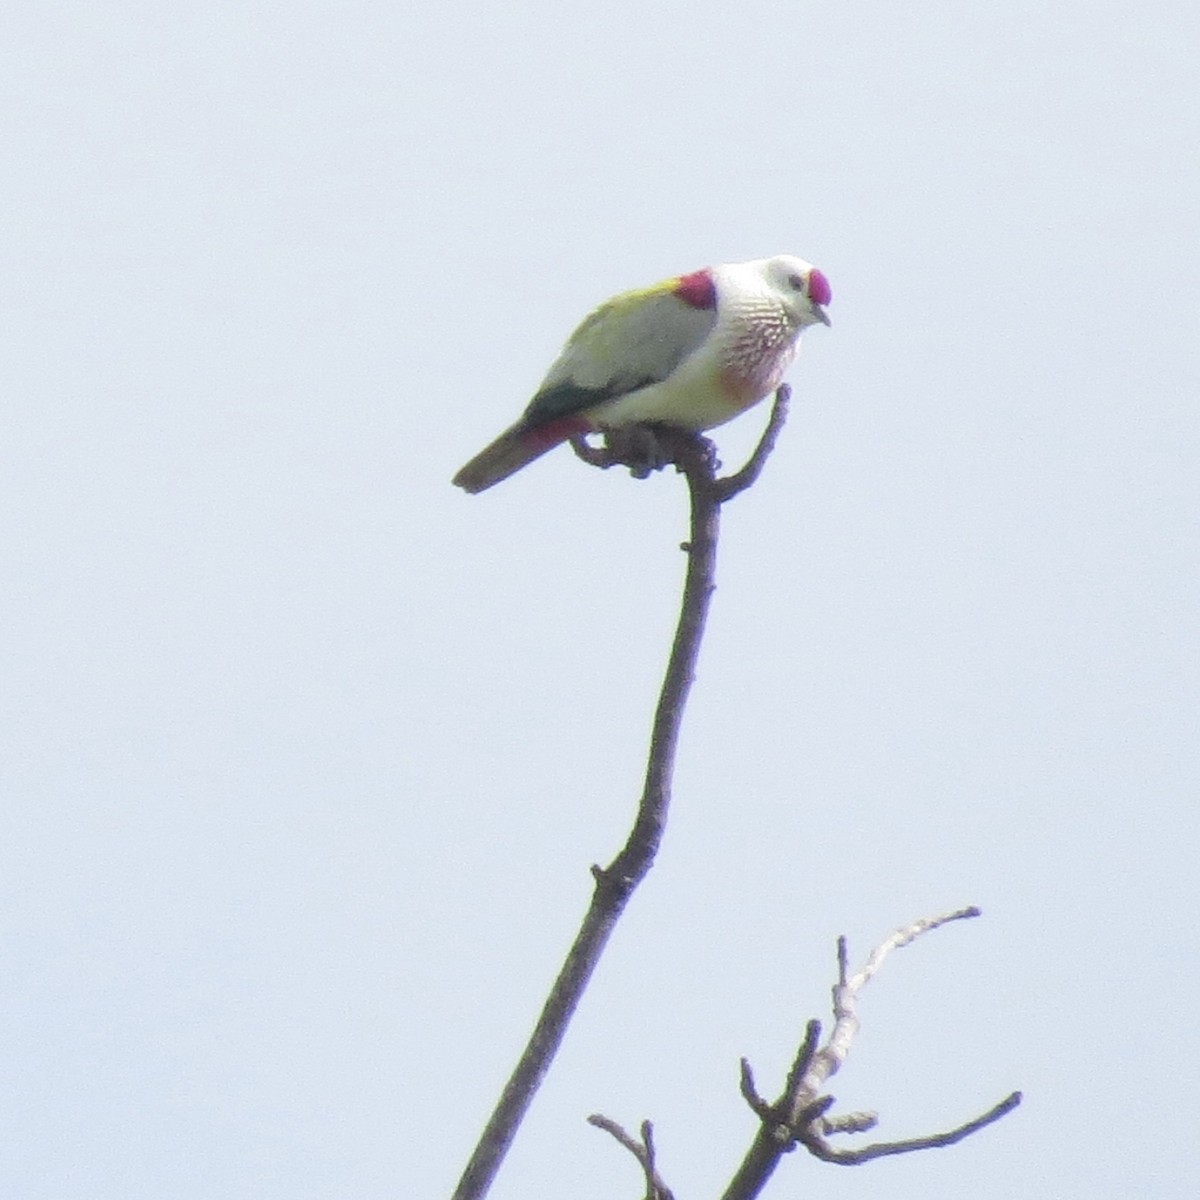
(798, 285)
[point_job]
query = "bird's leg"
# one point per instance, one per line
(632, 446)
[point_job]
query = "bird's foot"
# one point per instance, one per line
(646, 448)
(639, 447)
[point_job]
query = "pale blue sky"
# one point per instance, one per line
(306, 754)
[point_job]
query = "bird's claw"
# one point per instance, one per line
(646, 448)
(641, 448)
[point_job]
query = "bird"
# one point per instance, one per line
(693, 352)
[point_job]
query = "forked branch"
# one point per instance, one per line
(642, 1150)
(801, 1117)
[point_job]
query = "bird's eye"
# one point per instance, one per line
(796, 281)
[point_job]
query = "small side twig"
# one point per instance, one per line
(643, 1151)
(816, 1144)
(799, 1116)
(750, 1092)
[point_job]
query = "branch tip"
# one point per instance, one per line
(750, 1094)
(852, 1122)
(805, 1053)
(643, 1151)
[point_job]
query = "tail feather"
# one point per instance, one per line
(511, 451)
(515, 448)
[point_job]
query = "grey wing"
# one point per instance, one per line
(626, 344)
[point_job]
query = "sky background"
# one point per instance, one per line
(305, 755)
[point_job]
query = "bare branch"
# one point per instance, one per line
(799, 1116)
(817, 1146)
(643, 1151)
(643, 449)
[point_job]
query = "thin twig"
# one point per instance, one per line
(816, 1145)
(750, 1092)
(643, 1151)
(614, 884)
(739, 481)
